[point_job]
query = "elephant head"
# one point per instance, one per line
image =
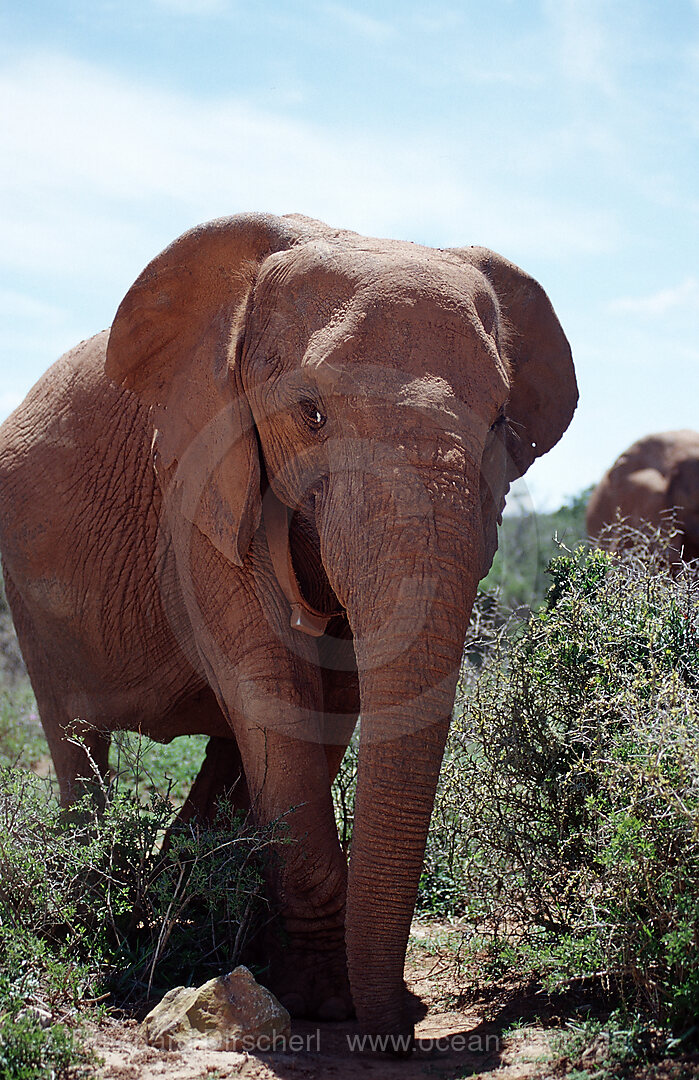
(387, 394)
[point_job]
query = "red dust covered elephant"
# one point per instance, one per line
(653, 481)
(261, 503)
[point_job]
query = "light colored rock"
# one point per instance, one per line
(598, 1050)
(42, 1016)
(230, 1013)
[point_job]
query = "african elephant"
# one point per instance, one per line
(261, 503)
(653, 479)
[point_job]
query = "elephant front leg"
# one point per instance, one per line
(268, 682)
(290, 792)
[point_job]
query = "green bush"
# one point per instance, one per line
(22, 739)
(152, 768)
(90, 902)
(567, 823)
(606, 1049)
(93, 907)
(527, 542)
(30, 1052)
(343, 793)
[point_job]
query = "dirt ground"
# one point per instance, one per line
(454, 1040)
(126, 1057)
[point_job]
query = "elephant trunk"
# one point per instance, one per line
(409, 616)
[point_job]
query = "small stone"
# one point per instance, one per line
(598, 1050)
(42, 1016)
(230, 1013)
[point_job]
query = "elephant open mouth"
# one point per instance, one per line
(304, 617)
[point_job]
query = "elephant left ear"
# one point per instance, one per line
(176, 342)
(543, 389)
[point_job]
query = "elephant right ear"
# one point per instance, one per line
(543, 389)
(176, 342)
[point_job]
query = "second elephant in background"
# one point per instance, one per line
(655, 479)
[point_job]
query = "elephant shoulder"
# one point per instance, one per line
(59, 446)
(74, 403)
(51, 398)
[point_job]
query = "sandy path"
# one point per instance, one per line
(452, 1043)
(518, 1057)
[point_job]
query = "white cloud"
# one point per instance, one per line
(585, 52)
(101, 173)
(684, 296)
(104, 172)
(365, 25)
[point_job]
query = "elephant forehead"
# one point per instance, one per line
(389, 404)
(364, 320)
(428, 361)
(320, 284)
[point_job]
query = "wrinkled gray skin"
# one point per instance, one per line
(655, 479)
(388, 393)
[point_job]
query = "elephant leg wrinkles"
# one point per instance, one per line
(268, 682)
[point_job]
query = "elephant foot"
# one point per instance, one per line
(313, 985)
(391, 1028)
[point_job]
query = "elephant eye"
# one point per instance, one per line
(312, 416)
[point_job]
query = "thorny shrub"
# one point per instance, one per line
(91, 902)
(566, 828)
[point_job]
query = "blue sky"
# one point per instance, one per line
(561, 133)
